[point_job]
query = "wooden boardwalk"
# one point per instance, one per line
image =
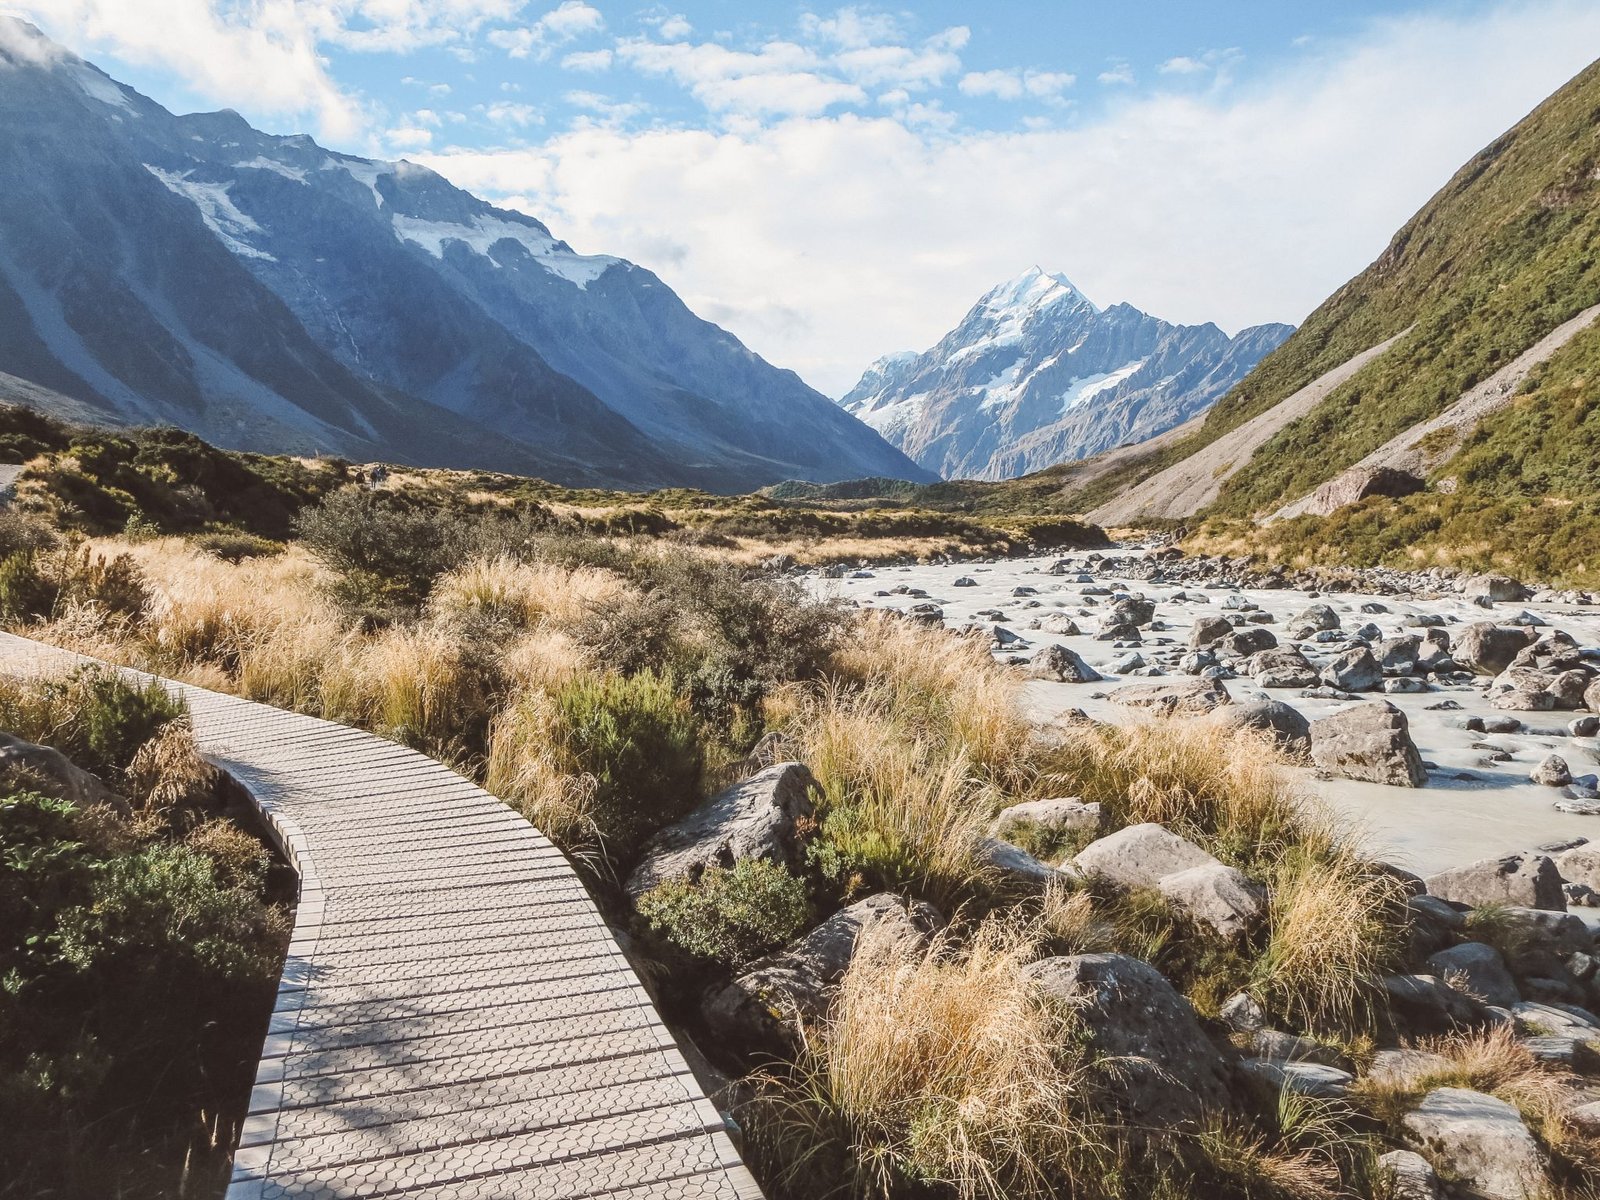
(454, 1020)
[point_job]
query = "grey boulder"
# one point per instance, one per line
(1162, 1068)
(1479, 1140)
(1525, 880)
(1061, 665)
(1354, 671)
(757, 818)
(1184, 698)
(1370, 741)
(1141, 856)
(1479, 969)
(767, 1006)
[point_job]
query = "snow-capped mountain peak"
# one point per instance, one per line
(1033, 290)
(1037, 374)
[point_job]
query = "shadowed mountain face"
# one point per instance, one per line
(1036, 374)
(269, 294)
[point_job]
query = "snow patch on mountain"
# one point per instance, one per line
(217, 210)
(262, 163)
(1090, 386)
(482, 233)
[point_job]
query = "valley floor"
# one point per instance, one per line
(1470, 809)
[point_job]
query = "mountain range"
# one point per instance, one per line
(1037, 374)
(270, 294)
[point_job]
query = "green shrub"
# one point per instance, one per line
(730, 917)
(25, 593)
(235, 546)
(94, 716)
(642, 746)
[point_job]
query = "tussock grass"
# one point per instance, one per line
(522, 593)
(900, 803)
(1334, 926)
(934, 1067)
(1221, 787)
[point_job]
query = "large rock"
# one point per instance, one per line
(46, 769)
(1480, 969)
(1488, 649)
(1184, 698)
(1370, 741)
(1208, 631)
(1141, 856)
(754, 819)
(1398, 655)
(767, 1006)
(1539, 941)
(1223, 898)
(1242, 643)
(1316, 618)
(1132, 610)
(1354, 671)
(1479, 1140)
(1050, 819)
(1425, 1004)
(1162, 1068)
(1282, 667)
(1500, 588)
(1525, 880)
(1287, 726)
(1062, 665)
(1581, 864)
(1406, 1175)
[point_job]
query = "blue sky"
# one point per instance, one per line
(837, 182)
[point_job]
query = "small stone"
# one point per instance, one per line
(1551, 772)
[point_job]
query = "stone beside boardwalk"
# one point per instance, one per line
(454, 1019)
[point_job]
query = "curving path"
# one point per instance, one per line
(455, 1019)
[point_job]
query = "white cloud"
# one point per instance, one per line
(1182, 65)
(1240, 206)
(1013, 85)
(587, 60)
(409, 137)
(506, 112)
(572, 19)
(780, 78)
(1117, 75)
(675, 28)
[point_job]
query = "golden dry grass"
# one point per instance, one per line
(1220, 786)
(911, 808)
(1334, 926)
(528, 769)
(944, 1067)
(524, 594)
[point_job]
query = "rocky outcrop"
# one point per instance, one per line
(1479, 1140)
(1061, 665)
(1488, 649)
(1285, 724)
(753, 819)
(1140, 856)
(765, 1008)
(1049, 818)
(1223, 898)
(1188, 698)
(1163, 1069)
(1480, 969)
(1370, 741)
(1525, 880)
(25, 765)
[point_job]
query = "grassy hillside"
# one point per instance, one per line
(1505, 252)
(1526, 496)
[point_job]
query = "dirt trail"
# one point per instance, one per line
(1407, 451)
(1184, 488)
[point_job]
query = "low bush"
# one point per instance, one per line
(604, 761)
(728, 918)
(383, 554)
(95, 716)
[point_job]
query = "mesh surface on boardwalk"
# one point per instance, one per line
(454, 1019)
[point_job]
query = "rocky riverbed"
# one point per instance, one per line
(1489, 681)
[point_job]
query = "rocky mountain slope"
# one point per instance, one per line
(1036, 374)
(1442, 404)
(270, 294)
